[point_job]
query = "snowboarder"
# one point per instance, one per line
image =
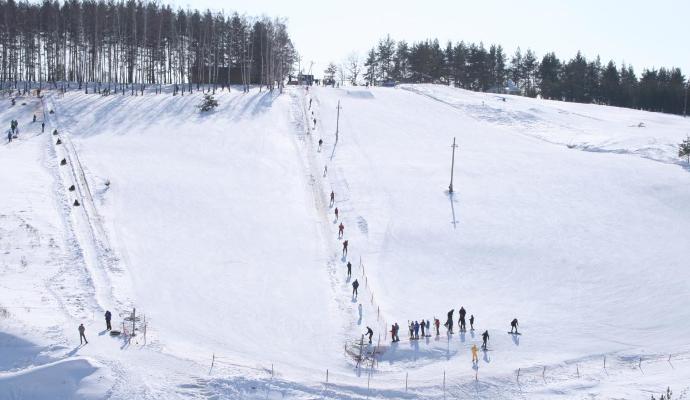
(514, 325)
(336, 213)
(355, 285)
(423, 325)
(475, 359)
(332, 197)
(485, 339)
(472, 322)
(449, 321)
(345, 248)
(341, 230)
(437, 323)
(107, 320)
(82, 337)
(320, 143)
(349, 268)
(416, 330)
(370, 333)
(43, 127)
(462, 313)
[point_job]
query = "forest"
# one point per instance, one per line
(472, 66)
(111, 44)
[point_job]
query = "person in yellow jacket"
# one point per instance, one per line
(474, 353)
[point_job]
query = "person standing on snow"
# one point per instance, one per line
(369, 333)
(34, 117)
(9, 136)
(393, 333)
(336, 213)
(485, 339)
(345, 243)
(462, 313)
(355, 285)
(397, 330)
(107, 320)
(449, 321)
(43, 127)
(437, 323)
(423, 325)
(81, 335)
(341, 230)
(412, 330)
(416, 330)
(332, 197)
(472, 322)
(514, 325)
(349, 268)
(475, 359)
(428, 328)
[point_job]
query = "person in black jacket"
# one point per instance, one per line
(107, 320)
(449, 321)
(82, 337)
(462, 313)
(369, 333)
(485, 339)
(355, 285)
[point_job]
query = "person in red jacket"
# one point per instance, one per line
(341, 230)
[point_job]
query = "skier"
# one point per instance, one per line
(310, 103)
(341, 230)
(437, 323)
(81, 335)
(320, 143)
(475, 359)
(314, 123)
(332, 197)
(370, 333)
(472, 322)
(43, 127)
(514, 325)
(423, 325)
(336, 213)
(485, 339)
(345, 248)
(462, 313)
(449, 321)
(107, 320)
(355, 285)
(416, 330)
(349, 268)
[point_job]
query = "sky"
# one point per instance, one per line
(642, 33)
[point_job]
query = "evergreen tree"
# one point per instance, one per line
(459, 69)
(516, 68)
(549, 75)
(611, 85)
(684, 149)
(530, 68)
(385, 52)
(371, 65)
(208, 103)
(401, 62)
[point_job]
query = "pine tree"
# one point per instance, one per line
(684, 149)
(371, 65)
(209, 103)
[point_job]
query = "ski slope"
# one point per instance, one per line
(217, 227)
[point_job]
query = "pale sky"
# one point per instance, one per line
(642, 33)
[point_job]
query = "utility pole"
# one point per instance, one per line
(337, 121)
(452, 166)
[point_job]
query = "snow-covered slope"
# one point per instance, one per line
(218, 229)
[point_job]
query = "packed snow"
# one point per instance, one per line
(217, 228)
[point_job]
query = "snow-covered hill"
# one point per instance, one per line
(218, 228)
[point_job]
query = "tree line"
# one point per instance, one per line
(472, 66)
(131, 42)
